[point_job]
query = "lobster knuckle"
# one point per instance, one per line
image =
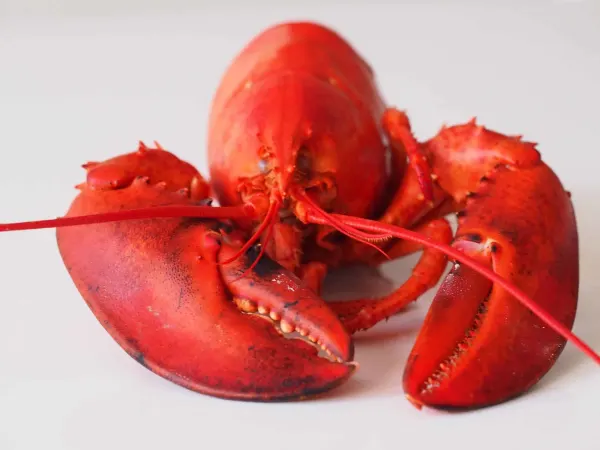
(479, 346)
(465, 156)
(148, 165)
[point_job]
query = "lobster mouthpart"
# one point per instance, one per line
(479, 346)
(157, 287)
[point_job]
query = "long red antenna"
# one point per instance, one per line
(153, 212)
(402, 233)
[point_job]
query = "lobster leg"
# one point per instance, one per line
(162, 290)
(313, 274)
(398, 129)
(408, 207)
(518, 220)
(285, 248)
(480, 345)
(362, 314)
(530, 240)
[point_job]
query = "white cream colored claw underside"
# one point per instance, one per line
(285, 327)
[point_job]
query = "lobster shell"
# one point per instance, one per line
(300, 85)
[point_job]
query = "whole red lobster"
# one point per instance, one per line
(312, 171)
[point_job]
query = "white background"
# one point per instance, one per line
(86, 80)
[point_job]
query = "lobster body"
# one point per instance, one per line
(299, 103)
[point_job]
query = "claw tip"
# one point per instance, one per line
(413, 401)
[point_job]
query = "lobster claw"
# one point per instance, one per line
(157, 288)
(479, 346)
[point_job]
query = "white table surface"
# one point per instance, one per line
(86, 80)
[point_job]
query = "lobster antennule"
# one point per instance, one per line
(155, 212)
(402, 233)
(267, 224)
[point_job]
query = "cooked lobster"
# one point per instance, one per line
(313, 171)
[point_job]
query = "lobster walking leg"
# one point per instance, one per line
(398, 130)
(363, 314)
(408, 206)
(313, 274)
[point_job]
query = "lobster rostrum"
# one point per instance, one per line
(312, 171)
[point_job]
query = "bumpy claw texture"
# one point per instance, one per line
(157, 288)
(158, 165)
(479, 346)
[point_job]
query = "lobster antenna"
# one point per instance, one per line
(153, 212)
(269, 221)
(270, 229)
(402, 233)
